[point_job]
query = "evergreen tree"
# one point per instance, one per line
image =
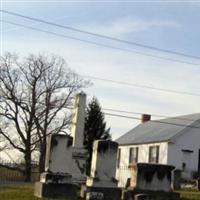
(95, 128)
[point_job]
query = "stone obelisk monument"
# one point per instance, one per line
(65, 158)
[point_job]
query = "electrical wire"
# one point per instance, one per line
(119, 82)
(99, 35)
(140, 113)
(103, 45)
(141, 86)
(102, 79)
(152, 121)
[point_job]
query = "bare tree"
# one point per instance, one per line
(35, 95)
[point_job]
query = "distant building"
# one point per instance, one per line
(173, 141)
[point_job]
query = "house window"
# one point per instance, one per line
(153, 154)
(133, 155)
(118, 157)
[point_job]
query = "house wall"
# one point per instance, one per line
(189, 140)
(123, 172)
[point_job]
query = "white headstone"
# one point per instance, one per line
(59, 154)
(65, 164)
(103, 165)
(66, 155)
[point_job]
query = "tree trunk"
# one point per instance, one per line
(42, 156)
(28, 166)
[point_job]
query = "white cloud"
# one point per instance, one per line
(128, 25)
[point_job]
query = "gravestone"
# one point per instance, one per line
(153, 181)
(65, 158)
(101, 184)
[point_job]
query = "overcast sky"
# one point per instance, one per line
(172, 26)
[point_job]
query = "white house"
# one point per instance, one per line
(173, 141)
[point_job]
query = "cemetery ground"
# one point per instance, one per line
(25, 192)
(22, 192)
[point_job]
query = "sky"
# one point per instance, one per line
(171, 25)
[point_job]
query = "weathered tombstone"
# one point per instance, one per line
(102, 183)
(65, 159)
(176, 177)
(154, 177)
(152, 180)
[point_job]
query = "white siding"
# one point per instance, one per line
(123, 173)
(190, 141)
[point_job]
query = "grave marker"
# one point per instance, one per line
(151, 181)
(102, 180)
(65, 158)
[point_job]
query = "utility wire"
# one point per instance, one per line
(109, 80)
(153, 121)
(100, 35)
(54, 19)
(141, 86)
(100, 44)
(139, 113)
(102, 79)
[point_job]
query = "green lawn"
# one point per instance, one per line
(25, 192)
(190, 195)
(19, 192)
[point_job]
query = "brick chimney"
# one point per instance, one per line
(145, 118)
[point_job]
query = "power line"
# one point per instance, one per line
(153, 121)
(136, 52)
(140, 113)
(100, 44)
(141, 86)
(107, 80)
(36, 23)
(100, 35)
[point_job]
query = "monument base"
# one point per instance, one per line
(53, 190)
(153, 195)
(95, 182)
(101, 193)
(55, 178)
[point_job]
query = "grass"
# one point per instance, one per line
(190, 195)
(25, 192)
(20, 192)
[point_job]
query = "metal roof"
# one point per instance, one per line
(160, 130)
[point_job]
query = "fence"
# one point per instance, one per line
(9, 172)
(123, 173)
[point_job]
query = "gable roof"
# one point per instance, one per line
(159, 130)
